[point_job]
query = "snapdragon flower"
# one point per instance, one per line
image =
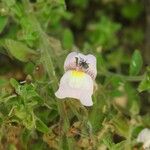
(78, 79)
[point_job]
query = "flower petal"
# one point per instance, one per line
(92, 64)
(70, 61)
(77, 85)
(146, 145)
(86, 99)
(144, 135)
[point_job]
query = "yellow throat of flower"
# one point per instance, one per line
(78, 74)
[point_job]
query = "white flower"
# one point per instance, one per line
(144, 137)
(78, 80)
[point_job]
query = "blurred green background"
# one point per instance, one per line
(35, 38)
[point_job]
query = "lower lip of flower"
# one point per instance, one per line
(80, 72)
(76, 73)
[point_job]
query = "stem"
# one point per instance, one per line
(46, 53)
(46, 57)
(127, 78)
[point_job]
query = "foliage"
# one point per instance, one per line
(35, 37)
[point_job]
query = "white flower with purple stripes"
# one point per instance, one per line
(78, 80)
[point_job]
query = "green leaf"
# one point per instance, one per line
(116, 81)
(10, 2)
(29, 121)
(136, 130)
(1, 121)
(3, 82)
(146, 120)
(62, 2)
(132, 11)
(68, 39)
(135, 107)
(37, 145)
(20, 112)
(29, 68)
(19, 50)
(121, 125)
(120, 146)
(102, 32)
(14, 83)
(41, 126)
(80, 4)
(3, 22)
(136, 63)
(133, 99)
(101, 64)
(25, 137)
(53, 114)
(26, 116)
(28, 90)
(107, 140)
(12, 147)
(145, 83)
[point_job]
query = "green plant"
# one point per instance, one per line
(35, 38)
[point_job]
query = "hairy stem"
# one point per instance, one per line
(46, 57)
(127, 78)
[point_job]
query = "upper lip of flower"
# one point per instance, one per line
(79, 62)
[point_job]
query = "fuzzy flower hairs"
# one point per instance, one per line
(78, 80)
